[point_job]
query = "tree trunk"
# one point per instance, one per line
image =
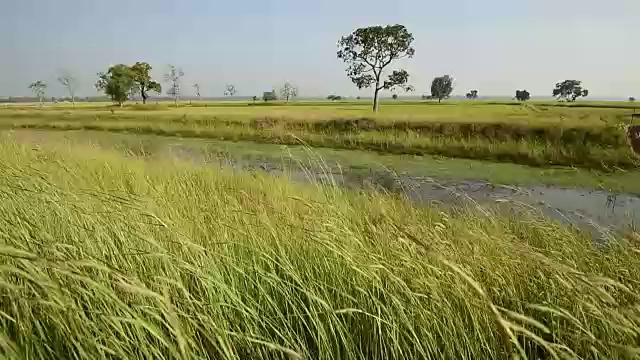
(73, 101)
(175, 100)
(376, 104)
(439, 100)
(144, 99)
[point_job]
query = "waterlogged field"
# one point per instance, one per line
(105, 256)
(586, 135)
(337, 162)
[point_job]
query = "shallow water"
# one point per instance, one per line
(598, 212)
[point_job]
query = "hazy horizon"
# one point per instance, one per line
(493, 46)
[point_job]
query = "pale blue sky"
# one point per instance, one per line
(496, 46)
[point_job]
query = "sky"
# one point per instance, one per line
(495, 46)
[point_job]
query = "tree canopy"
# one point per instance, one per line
(142, 82)
(369, 51)
(569, 90)
(173, 78)
(230, 90)
(288, 91)
(472, 94)
(38, 88)
(71, 84)
(117, 83)
(522, 95)
(442, 87)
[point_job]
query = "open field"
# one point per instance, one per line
(112, 257)
(549, 113)
(581, 135)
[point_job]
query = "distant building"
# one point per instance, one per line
(269, 95)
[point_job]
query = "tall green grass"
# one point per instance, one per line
(578, 152)
(537, 135)
(346, 162)
(105, 257)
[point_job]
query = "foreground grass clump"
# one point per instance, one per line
(109, 257)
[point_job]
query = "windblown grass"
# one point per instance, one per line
(349, 162)
(105, 257)
(525, 152)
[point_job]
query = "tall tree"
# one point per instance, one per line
(288, 91)
(442, 87)
(71, 84)
(142, 80)
(230, 90)
(197, 87)
(472, 94)
(117, 83)
(38, 88)
(569, 90)
(522, 95)
(369, 51)
(173, 77)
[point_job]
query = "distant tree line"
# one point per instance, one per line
(368, 52)
(121, 82)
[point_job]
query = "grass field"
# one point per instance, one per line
(587, 135)
(111, 257)
(579, 114)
